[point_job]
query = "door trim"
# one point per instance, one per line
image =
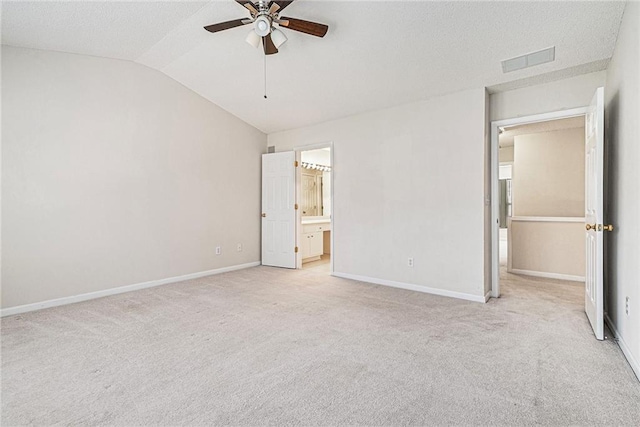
(307, 147)
(495, 165)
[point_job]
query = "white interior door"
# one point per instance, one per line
(594, 175)
(278, 209)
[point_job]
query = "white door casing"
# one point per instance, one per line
(278, 209)
(594, 175)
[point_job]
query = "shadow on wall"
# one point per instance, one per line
(610, 198)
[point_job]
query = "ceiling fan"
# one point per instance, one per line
(265, 17)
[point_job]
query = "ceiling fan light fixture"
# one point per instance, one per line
(262, 26)
(278, 37)
(266, 21)
(253, 39)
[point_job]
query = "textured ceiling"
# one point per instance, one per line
(116, 29)
(506, 137)
(375, 55)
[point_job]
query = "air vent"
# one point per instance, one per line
(529, 60)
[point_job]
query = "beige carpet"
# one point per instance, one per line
(272, 346)
(323, 265)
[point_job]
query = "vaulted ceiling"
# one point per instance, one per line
(376, 54)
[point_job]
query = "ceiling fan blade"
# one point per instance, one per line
(278, 5)
(307, 27)
(214, 28)
(269, 47)
(249, 5)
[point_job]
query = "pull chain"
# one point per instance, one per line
(265, 76)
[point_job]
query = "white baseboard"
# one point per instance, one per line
(623, 346)
(412, 287)
(487, 296)
(119, 290)
(547, 275)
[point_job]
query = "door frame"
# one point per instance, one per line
(298, 150)
(495, 165)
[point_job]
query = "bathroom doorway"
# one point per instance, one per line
(315, 207)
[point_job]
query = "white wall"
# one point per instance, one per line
(408, 182)
(113, 174)
(622, 140)
(558, 95)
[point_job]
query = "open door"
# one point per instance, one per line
(594, 175)
(278, 210)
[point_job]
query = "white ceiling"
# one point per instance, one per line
(506, 138)
(115, 29)
(376, 54)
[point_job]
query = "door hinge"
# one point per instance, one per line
(296, 250)
(295, 206)
(295, 164)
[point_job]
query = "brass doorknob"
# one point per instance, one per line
(264, 215)
(608, 227)
(590, 227)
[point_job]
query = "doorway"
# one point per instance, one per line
(593, 219)
(541, 208)
(297, 208)
(503, 133)
(315, 176)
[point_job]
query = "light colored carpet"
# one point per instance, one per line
(272, 346)
(323, 265)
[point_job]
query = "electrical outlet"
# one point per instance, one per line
(410, 262)
(627, 306)
(218, 250)
(239, 247)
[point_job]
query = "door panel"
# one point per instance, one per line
(594, 175)
(278, 210)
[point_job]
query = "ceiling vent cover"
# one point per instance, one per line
(529, 60)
